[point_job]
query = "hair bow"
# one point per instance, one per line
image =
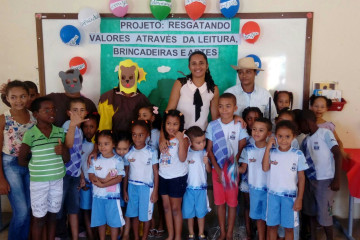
(155, 110)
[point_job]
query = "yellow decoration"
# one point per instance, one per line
(106, 112)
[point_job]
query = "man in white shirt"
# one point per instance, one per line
(247, 93)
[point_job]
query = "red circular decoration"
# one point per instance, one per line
(309, 15)
(78, 63)
(251, 32)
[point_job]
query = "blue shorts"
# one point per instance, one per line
(106, 211)
(195, 203)
(258, 204)
(174, 187)
(139, 204)
(86, 197)
(280, 212)
(71, 196)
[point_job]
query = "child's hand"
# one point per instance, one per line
(112, 174)
(163, 146)
(98, 184)
(126, 196)
(335, 185)
(59, 148)
(180, 135)
(206, 159)
(219, 173)
(271, 142)
(3, 87)
(297, 205)
(238, 119)
(154, 197)
(75, 119)
(82, 183)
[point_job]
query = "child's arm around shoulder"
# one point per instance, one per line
(266, 158)
(183, 145)
(4, 185)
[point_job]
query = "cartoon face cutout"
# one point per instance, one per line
(71, 81)
(128, 76)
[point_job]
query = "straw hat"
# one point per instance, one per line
(246, 63)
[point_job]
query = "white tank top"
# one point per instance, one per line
(186, 106)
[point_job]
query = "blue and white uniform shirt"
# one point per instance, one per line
(284, 168)
(197, 176)
(170, 165)
(141, 163)
(153, 141)
(252, 156)
(87, 148)
(319, 146)
(101, 168)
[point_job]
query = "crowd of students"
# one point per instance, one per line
(281, 173)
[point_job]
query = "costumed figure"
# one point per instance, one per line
(116, 107)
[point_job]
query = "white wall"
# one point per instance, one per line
(334, 49)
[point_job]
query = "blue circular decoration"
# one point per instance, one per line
(70, 35)
(256, 60)
(229, 8)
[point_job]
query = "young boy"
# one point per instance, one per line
(46, 166)
(74, 138)
(195, 201)
(323, 176)
(225, 143)
(251, 159)
(286, 180)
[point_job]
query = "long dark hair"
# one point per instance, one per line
(210, 84)
(173, 113)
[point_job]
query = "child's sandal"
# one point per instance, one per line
(201, 237)
(159, 233)
(152, 233)
(191, 237)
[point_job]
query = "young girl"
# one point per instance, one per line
(143, 178)
(286, 180)
(15, 179)
(123, 144)
(320, 105)
(89, 129)
(283, 99)
(249, 115)
(105, 173)
(288, 115)
(151, 113)
(173, 171)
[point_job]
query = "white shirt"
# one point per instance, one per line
(258, 98)
(284, 168)
(170, 165)
(101, 167)
(319, 145)
(141, 165)
(252, 156)
(233, 134)
(87, 148)
(197, 176)
(187, 107)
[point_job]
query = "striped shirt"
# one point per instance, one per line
(44, 164)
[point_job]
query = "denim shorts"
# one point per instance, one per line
(71, 196)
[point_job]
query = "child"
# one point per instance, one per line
(46, 166)
(251, 159)
(288, 115)
(286, 180)
(196, 203)
(250, 114)
(33, 93)
(283, 99)
(320, 105)
(74, 138)
(89, 129)
(106, 173)
(122, 146)
(13, 124)
(323, 155)
(151, 113)
(143, 179)
(173, 171)
(225, 140)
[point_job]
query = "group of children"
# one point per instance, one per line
(116, 178)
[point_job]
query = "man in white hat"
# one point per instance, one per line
(247, 93)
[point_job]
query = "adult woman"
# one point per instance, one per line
(195, 94)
